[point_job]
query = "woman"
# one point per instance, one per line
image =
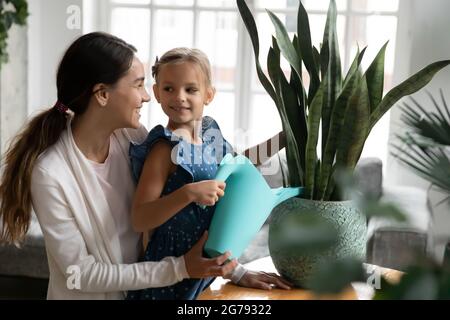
(71, 164)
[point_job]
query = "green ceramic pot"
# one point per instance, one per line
(297, 265)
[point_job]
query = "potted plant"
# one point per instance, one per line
(426, 143)
(425, 146)
(344, 110)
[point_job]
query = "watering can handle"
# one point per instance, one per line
(223, 172)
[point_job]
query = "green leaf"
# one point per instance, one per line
(418, 283)
(316, 55)
(250, 24)
(286, 46)
(383, 210)
(354, 129)
(337, 119)
(306, 49)
(355, 65)
(332, 277)
(428, 125)
(375, 78)
(286, 104)
(315, 112)
(334, 73)
(409, 86)
(432, 165)
(305, 233)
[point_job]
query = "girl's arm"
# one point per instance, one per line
(257, 154)
(150, 210)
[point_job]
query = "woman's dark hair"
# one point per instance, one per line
(92, 59)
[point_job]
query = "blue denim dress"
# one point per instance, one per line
(177, 235)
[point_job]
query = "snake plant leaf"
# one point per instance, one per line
(334, 73)
(375, 78)
(306, 49)
(337, 119)
(273, 67)
(253, 32)
(288, 95)
(286, 46)
(293, 113)
(315, 112)
(316, 55)
(409, 86)
(355, 65)
(297, 82)
(293, 110)
(332, 184)
(355, 127)
(291, 129)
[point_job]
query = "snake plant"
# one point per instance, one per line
(343, 109)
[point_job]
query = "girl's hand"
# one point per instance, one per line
(206, 192)
(199, 267)
(263, 280)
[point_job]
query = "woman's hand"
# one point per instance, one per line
(206, 192)
(263, 280)
(199, 267)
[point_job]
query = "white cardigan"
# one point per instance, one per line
(79, 230)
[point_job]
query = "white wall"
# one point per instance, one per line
(49, 35)
(424, 37)
(13, 87)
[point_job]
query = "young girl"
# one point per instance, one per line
(70, 163)
(174, 168)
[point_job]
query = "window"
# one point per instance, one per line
(214, 26)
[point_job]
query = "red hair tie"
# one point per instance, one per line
(61, 107)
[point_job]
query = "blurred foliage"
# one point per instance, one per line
(306, 233)
(425, 147)
(425, 281)
(11, 12)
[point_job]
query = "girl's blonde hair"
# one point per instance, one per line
(180, 55)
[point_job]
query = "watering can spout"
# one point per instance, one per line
(282, 194)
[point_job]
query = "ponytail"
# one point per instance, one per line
(15, 189)
(91, 59)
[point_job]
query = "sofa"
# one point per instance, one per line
(24, 271)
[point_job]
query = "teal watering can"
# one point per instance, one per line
(244, 208)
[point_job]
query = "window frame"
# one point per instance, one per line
(243, 90)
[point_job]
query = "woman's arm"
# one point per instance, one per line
(150, 210)
(67, 246)
(264, 151)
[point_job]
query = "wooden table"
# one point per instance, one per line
(222, 289)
